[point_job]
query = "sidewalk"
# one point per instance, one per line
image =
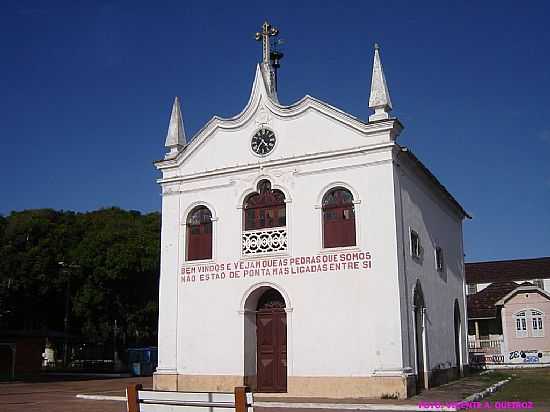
(461, 388)
(454, 391)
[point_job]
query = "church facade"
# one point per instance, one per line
(305, 252)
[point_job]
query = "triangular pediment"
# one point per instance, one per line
(307, 126)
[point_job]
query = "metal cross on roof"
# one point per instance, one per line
(263, 36)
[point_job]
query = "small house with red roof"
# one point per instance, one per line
(508, 305)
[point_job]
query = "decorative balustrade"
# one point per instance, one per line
(264, 241)
(488, 346)
(485, 352)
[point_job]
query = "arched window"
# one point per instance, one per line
(199, 234)
(521, 324)
(338, 218)
(264, 209)
(537, 322)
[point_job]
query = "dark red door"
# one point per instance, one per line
(271, 343)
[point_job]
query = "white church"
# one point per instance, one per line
(305, 253)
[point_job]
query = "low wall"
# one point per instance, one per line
(399, 387)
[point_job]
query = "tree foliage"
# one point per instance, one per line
(110, 272)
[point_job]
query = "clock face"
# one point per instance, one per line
(263, 142)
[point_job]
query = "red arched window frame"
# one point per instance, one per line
(338, 218)
(199, 234)
(265, 208)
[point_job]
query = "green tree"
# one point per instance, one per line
(111, 272)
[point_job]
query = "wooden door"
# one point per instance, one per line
(271, 346)
(419, 349)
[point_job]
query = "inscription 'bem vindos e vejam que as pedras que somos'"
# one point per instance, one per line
(277, 266)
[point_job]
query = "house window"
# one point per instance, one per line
(338, 218)
(537, 323)
(264, 209)
(199, 234)
(416, 248)
(521, 324)
(472, 288)
(439, 264)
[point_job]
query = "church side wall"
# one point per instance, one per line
(405, 302)
(423, 210)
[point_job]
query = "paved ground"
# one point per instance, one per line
(60, 396)
(454, 391)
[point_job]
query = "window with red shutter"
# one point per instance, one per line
(264, 209)
(199, 234)
(338, 218)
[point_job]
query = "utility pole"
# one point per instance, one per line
(66, 268)
(116, 361)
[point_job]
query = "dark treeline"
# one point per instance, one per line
(110, 273)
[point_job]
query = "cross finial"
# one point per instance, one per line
(263, 36)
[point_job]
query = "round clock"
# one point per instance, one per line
(263, 142)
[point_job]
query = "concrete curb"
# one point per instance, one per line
(480, 395)
(350, 406)
(101, 397)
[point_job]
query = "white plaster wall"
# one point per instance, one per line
(342, 323)
(346, 323)
(309, 133)
(168, 288)
(433, 219)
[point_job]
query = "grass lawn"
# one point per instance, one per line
(526, 385)
(494, 376)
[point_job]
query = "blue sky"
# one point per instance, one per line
(86, 90)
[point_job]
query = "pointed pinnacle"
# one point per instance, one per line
(176, 133)
(379, 99)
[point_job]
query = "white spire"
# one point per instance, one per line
(379, 94)
(175, 138)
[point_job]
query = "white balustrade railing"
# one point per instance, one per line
(264, 241)
(485, 345)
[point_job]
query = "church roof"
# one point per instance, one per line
(407, 152)
(508, 270)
